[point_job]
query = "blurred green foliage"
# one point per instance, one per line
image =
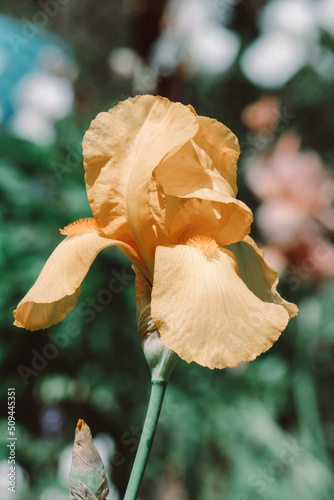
(264, 430)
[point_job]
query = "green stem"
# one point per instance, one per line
(151, 421)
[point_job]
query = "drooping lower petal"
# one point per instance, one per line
(260, 278)
(205, 312)
(56, 290)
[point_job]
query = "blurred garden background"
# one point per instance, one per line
(263, 430)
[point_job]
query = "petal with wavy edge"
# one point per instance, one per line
(214, 147)
(260, 278)
(182, 218)
(188, 174)
(221, 145)
(227, 221)
(184, 174)
(56, 290)
(204, 311)
(170, 126)
(121, 149)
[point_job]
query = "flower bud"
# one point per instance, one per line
(88, 476)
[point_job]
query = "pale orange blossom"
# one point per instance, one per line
(161, 183)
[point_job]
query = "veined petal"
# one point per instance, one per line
(128, 248)
(184, 175)
(56, 290)
(260, 278)
(227, 221)
(205, 312)
(121, 149)
(221, 145)
(214, 148)
(190, 174)
(168, 127)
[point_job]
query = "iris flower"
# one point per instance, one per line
(161, 183)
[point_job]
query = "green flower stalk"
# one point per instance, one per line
(161, 362)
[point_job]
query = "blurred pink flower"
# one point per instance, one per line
(297, 177)
(262, 114)
(297, 212)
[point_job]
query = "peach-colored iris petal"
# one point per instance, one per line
(158, 175)
(227, 222)
(191, 173)
(260, 278)
(56, 290)
(221, 145)
(121, 149)
(205, 312)
(184, 175)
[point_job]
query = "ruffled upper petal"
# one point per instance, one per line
(227, 222)
(205, 172)
(214, 147)
(205, 312)
(121, 149)
(260, 278)
(184, 175)
(221, 146)
(56, 290)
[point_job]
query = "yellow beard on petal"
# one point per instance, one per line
(81, 226)
(205, 243)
